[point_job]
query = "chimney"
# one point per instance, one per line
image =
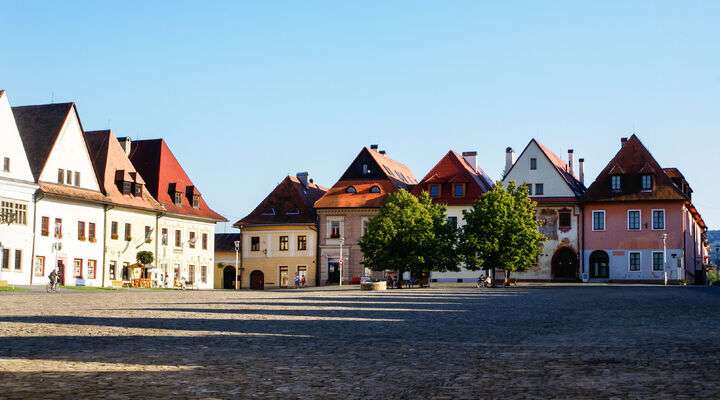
(509, 159)
(303, 178)
(623, 141)
(125, 143)
(470, 158)
(581, 170)
(570, 162)
(373, 147)
(382, 152)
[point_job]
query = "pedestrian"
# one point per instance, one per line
(167, 280)
(297, 281)
(302, 280)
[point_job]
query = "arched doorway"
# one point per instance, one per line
(565, 264)
(257, 280)
(229, 277)
(599, 264)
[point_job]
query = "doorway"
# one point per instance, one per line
(257, 280)
(333, 273)
(565, 264)
(599, 265)
(229, 277)
(61, 272)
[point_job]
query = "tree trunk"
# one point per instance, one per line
(492, 277)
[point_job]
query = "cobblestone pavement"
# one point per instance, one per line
(568, 342)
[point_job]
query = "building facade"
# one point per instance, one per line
(640, 223)
(458, 182)
(279, 237)
(227, 261)
(17, 189)
(69, 206)
(345, 211)
(557, 190)
(185, 249)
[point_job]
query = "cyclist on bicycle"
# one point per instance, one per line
(54, 277)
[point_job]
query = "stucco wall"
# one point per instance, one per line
(121, 251)
(351, 221)
(171, 257)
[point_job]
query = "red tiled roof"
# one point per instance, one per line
(631, 161)
(338, 197)
(108, 157)
(72, 192)
(289, 203)
(453, 168)
(159, 167)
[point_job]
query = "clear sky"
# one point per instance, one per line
(247, 92)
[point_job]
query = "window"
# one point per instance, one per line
(125, 273)
(77, 268)
(204, 241)
(128, 232)
(6, 164)
(434, 190)
(126, 187)
(13, 213)
(634, 260)
(658, 260)
(178, 238)
(18, 260)
(351, 190)
(191, 241)
(284, 243)
(365, 169)
(113, 270)
(164, 238)
(178, 198)
(533, 163)
(137, 190)
(92, 269)
(598, 220)
(302, 243)
(5, 258)
(39, 267)
(113, 230)
(539, 189)
(334, 229)
(255, 243)
(61, 176)
(646, 183)
(284, 276)
(459, 189)
(203, 274)
(658, 219)
(615, 183)
(634, 220)
(191, 273)
(77, 178)
(365, 226)
(528, 186)
(91, 232)
(148, 234)
(81, 230)
(196, 201)
(375, 189)
(58, 228)
(452, 221)
(564, 219)
(68, 177)
(45, 226)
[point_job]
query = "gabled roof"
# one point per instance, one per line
(39, 127)
(394, 170)
(560, 166)
(631, 161)
(109, 158)
(159, 167)
(289, 203)
(453, 168)
(338, 196)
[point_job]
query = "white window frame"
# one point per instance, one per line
(627, 225)
(612, 187)
(662, 253)
(652, 219)
(639, 264)
(592, 222)
(542, 185)
(642, 188)
(339, 220)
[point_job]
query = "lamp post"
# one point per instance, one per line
(340, 264)
(664, 239)
(2, 257)
(237, 268)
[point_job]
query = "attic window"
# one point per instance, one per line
(375, 189)
(533, 163)
(125, 187)
(269, 212)
(366, 170)
(137, 189)
(616, 183)
(177, 200)
(196, 201)
(351, 190)
(6, 164)
(294, 211)
(647, 183)
(434, 190)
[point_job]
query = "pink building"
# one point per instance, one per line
(640, 223)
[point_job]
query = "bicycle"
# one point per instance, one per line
(51, 287)
(483, 281)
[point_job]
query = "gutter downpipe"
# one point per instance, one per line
(37, 197)
(104, 260)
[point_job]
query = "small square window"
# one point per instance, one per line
(61, 176)
(634, 261)
(459, 189)
(647, 183)
(255, 243)
(6, 164)
(634, 220)
(434, 190)
(598, 220)
(564, 219)
(658, 261)
(539, 189)
(533, 163)
(616, 183)
(452, 221)
(284, 240)
(77, 178)
(302, 243)
(658, 219)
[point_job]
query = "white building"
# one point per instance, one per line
(553, 184)
(17, 187)
(186, 229)
(69, 207)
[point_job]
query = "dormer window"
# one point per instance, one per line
(294, 211)
(616, 183)
(177, 200)
(458, 190)
(196, 201)
(351, 190)
(137, 190)
(61, 176)
(646, 183)
(125, 187)
(375, 189)
(434, 190)
(269, 212)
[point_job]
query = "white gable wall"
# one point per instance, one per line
(12, 146)
(554, 184)
(70, 153)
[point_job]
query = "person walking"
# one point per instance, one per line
(297, 281)
(302, 280)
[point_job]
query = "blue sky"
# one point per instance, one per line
(247, 92)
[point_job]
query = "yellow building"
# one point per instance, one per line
(279, 237)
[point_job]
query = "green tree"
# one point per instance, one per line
(501, 231)
(409, 234)
(145, 257)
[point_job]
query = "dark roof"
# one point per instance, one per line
(39, 127)
(631, 162)
(226, 241)
(453, 168)
(291, 202)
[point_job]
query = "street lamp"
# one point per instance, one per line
(664, 239)
(342, 241)
(237, 257)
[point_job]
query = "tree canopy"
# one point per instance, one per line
(501, 231)
(145, 257)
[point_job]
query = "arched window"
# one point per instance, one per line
(351, 189)
(375, 189)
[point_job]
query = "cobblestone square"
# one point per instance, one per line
(567, 342)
